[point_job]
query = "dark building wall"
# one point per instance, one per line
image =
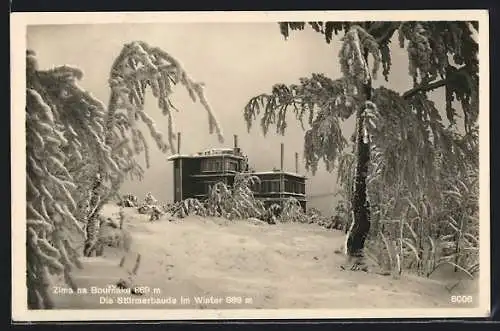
(177, 180)
(277, 187)
(280, 183)
(206, 183)
(294, 184)
(190, 187)
(193, 177)
(268, 184)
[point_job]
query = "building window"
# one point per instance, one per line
(205, 164)
(275, 186)
(231, 165)
(293, 186)
(300, 188)
(208, 187)
(264, 186)
(270, 186)
(218, 166)
(209, 165)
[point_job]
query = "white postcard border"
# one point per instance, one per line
(19, 23)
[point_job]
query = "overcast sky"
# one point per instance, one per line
(236, 61)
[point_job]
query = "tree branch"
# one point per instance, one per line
(425, 88)
(437, 84)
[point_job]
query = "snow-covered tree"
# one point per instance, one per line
(400, 139)
(79, 151)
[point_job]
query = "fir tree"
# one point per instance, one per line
(401, 140)
(79, 151)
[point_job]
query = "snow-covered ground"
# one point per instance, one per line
(264, 266)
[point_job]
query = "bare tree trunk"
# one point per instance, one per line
(92, 218)
(361, 224)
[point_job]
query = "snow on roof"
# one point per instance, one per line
(214, 152)
(278, 172)
(217, 152)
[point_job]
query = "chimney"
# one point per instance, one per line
(296, 162)
(282, 156)
(236, 149)
(178, 142)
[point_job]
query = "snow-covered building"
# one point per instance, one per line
(195, 174)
